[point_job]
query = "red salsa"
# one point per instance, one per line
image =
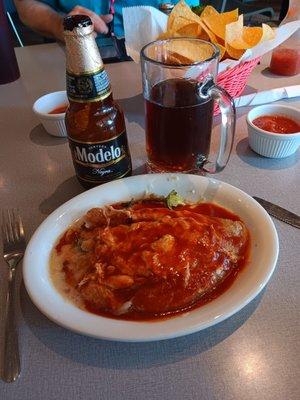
(285, 61)
(59, 110)
(277, 124)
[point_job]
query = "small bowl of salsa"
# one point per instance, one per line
(51, 109)
(274, 130)
(285, 61)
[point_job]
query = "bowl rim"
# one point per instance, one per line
(277, 107)
(46, 115)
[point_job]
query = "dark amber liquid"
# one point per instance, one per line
(94, 122)
(178, 126)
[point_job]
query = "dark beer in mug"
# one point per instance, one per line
(178, 125)
(180, 92)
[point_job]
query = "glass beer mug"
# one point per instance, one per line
(179, 106)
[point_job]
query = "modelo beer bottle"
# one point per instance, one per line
(94, 121)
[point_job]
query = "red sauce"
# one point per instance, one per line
(59, 110)
(68, 237)
(285, 61)
(210, 209)
(154, 295)
(144, 316)
(277, 124)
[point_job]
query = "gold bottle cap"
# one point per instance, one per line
(72, 22)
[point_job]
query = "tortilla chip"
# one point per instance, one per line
(242, 37)
(234, 34)
(181, 10)
(191, 30)
(208, 11)
(217, 23)
(252, 35)
(164, 35)
(192, 51)
(209, 33)
(268, 33)
(177, 59)
(236, 54)
(225, 30)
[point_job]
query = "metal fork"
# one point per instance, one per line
(14, 245)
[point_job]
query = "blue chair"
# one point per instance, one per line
(10, 6)
(11, 11)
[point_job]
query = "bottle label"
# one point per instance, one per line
(88, 86)
(101, 162)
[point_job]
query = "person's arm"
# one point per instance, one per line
(40, 18)
(46, 21)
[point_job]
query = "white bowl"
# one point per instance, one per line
(53, 123)
(250, 281)
(268, 144)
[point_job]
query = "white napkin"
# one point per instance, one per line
(144, 24)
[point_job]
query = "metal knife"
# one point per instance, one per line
(267, 96)
(280, 213)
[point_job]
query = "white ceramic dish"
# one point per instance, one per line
(53, 123)
(250, 281)
(273, 145)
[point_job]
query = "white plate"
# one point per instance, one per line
(250, 281)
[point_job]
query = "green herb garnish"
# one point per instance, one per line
(174, 199)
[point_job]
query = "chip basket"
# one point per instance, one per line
(234, 80)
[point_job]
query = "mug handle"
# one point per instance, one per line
(228, 119)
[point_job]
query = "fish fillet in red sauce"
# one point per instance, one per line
(142, 260)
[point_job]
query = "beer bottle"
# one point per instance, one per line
(94, 121)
